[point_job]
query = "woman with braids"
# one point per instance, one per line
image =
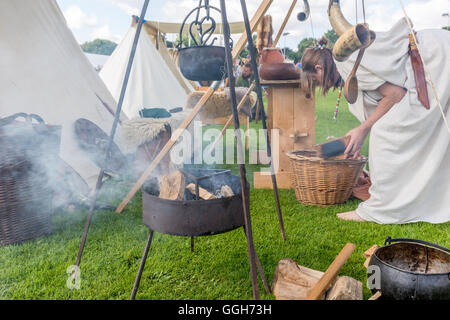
(409, 147)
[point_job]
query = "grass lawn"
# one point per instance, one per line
(218, 269)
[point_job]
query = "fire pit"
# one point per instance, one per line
(193, 216)
(196, 217)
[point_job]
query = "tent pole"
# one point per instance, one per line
(240, 153)
(252, 50)
(113, 132)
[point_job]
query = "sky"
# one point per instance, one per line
(110, 19)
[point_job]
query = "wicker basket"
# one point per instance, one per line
(321, 181)
(25, 194)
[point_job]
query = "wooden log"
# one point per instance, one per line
(369, 252)
(202, 193)
(368, 255)
(319, 289)
(376, 296)
(292, 281)
(172, 186)
(346, 288)
(226, 191)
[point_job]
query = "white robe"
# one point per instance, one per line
(409, 150)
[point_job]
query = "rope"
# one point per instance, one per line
(425, 69)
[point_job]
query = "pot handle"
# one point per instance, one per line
(28, 117)
(389, 240)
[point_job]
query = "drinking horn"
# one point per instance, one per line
(304, 15)
(351, 37)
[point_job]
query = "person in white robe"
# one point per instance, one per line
(409, 147)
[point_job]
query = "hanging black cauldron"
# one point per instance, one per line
(202, 61)
(412, 270)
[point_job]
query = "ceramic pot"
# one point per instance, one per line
(279, 71)
(271, 55)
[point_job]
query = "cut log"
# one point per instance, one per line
(292, 281)
(226, 192)
(346, 288)
(376, 296)
(203, 193)
(172, 186)
(369, 252)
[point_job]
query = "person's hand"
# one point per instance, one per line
(356, 140)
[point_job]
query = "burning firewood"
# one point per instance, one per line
(202, 193)
(226, 192)
(172, 186)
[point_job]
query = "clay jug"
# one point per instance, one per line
(271, 55)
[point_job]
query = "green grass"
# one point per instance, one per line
(218, 269)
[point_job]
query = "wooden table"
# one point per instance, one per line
(293, 114)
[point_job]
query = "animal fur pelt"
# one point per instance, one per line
(265, 32)
(140, 130)
(219, 105)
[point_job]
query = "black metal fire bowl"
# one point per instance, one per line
(197, 217)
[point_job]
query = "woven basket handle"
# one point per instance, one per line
(28, 117)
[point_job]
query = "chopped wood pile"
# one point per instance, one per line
(294, 282)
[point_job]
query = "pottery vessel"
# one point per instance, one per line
(279, 71)
(271, 55)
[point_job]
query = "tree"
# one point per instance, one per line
(446, 28)
(305, 44)
(99, 46)
(331, 37)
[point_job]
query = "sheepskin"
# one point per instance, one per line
(219, 105)
(141, 130)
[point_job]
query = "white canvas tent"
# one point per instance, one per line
(97, 60)
(155, 81)
(44, 71)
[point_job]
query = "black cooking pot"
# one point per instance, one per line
(412, 270)
(202, 63)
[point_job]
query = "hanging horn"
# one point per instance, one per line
(304, 15)
(351, 38)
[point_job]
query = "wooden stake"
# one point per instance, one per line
(283, 25)
(321, 287)
(240, 45)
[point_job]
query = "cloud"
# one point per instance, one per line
(77, 19)
(130, 7)
(105, 33)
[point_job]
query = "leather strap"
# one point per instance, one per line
(419, 73)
